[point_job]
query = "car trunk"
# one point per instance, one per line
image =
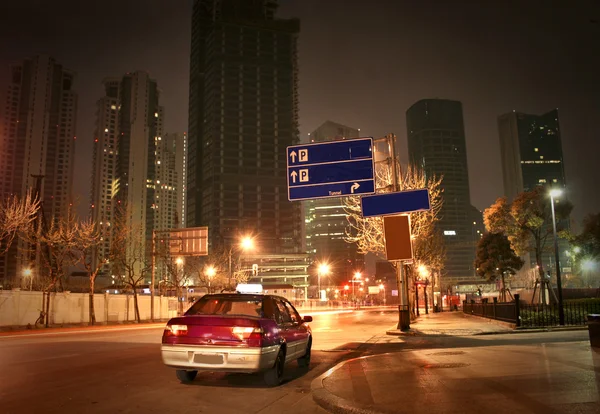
(212, 330)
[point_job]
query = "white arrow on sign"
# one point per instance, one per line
(294, 174)
(293, 156)
(354, 187)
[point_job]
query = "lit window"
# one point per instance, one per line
(105, 129)
(113, 107)
(555, 181)
(541, 157)
(536, 149)
(542, 180)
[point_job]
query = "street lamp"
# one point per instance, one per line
(210, 273)
(561, 312)
(29, 273)
(246, 244)
(382, 287)
(357, 276)
(322, 270)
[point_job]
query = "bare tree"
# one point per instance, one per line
(367, 233)
(16, 216)
(53, 250)
(128, 257)
(88, 239)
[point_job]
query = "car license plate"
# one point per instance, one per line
(211, 359)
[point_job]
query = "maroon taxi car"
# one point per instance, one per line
(237, 333)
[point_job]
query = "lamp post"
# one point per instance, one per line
(247, 243)
(29, 273)
(382, 287)
(357, 276)
(561, 312)
(322, 270)
(210, 273)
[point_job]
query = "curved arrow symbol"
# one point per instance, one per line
(354, 187)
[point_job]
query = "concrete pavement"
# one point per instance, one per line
(455, 324)
(546, 373)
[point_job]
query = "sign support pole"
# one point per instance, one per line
(152, 278)
(403, 311)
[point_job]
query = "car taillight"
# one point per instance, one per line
(176, 330)
(251, 335)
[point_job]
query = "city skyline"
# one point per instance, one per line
(487, 87)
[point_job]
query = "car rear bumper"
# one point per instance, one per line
(225, 359)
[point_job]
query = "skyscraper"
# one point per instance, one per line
(170, 181)
(38, 139)
(128, 132)
(436, 143)
(531, 151)
(243, 113)
(326, 221)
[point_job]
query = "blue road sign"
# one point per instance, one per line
(330, 169)
(395, 203)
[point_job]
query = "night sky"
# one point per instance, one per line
(362, 63)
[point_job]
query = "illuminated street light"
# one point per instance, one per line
(247, 243)
(210, 273)
(556, 192)
(29, 273)
(179, 260)
(322, 270)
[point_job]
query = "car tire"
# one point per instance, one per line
(304, 361)
(274, 375)
(186, 376)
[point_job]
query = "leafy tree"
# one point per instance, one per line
(589, 239)
(495, 257)
(527, 222)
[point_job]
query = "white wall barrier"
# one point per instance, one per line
(22, 307)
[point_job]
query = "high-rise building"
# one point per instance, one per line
(531, 152)
(124, 177)
(170, 181)
(326, 220)
(38, 139)
(436, 143)
(104, 163)
(243, 113)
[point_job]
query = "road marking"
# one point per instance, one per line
(107, 330)
(52, 357)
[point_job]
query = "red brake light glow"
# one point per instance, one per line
(252, 335)
(176, 330)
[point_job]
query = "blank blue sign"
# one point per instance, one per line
(395, 203)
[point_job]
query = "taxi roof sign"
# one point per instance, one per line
(249, 288)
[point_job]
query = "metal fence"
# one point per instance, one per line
(540, 316)
(506, 312)
(534, 315)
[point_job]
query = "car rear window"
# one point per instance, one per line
(236, 305)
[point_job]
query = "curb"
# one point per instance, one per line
(336, 404)
(397, 332)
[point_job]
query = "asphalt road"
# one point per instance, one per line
(110, 371)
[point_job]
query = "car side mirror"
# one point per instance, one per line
(307, 319)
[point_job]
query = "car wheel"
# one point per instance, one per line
(186, 376)
(274, 375)
(304, 361)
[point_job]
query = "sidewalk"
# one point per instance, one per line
(498, 376)
(454, 324)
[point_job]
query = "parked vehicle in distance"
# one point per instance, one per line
(234, 332)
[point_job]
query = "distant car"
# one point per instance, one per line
(235, 332)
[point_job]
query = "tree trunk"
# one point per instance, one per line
(92, 311)
(503, 288)
(179, 302)
(540, 265)
(135, 305)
